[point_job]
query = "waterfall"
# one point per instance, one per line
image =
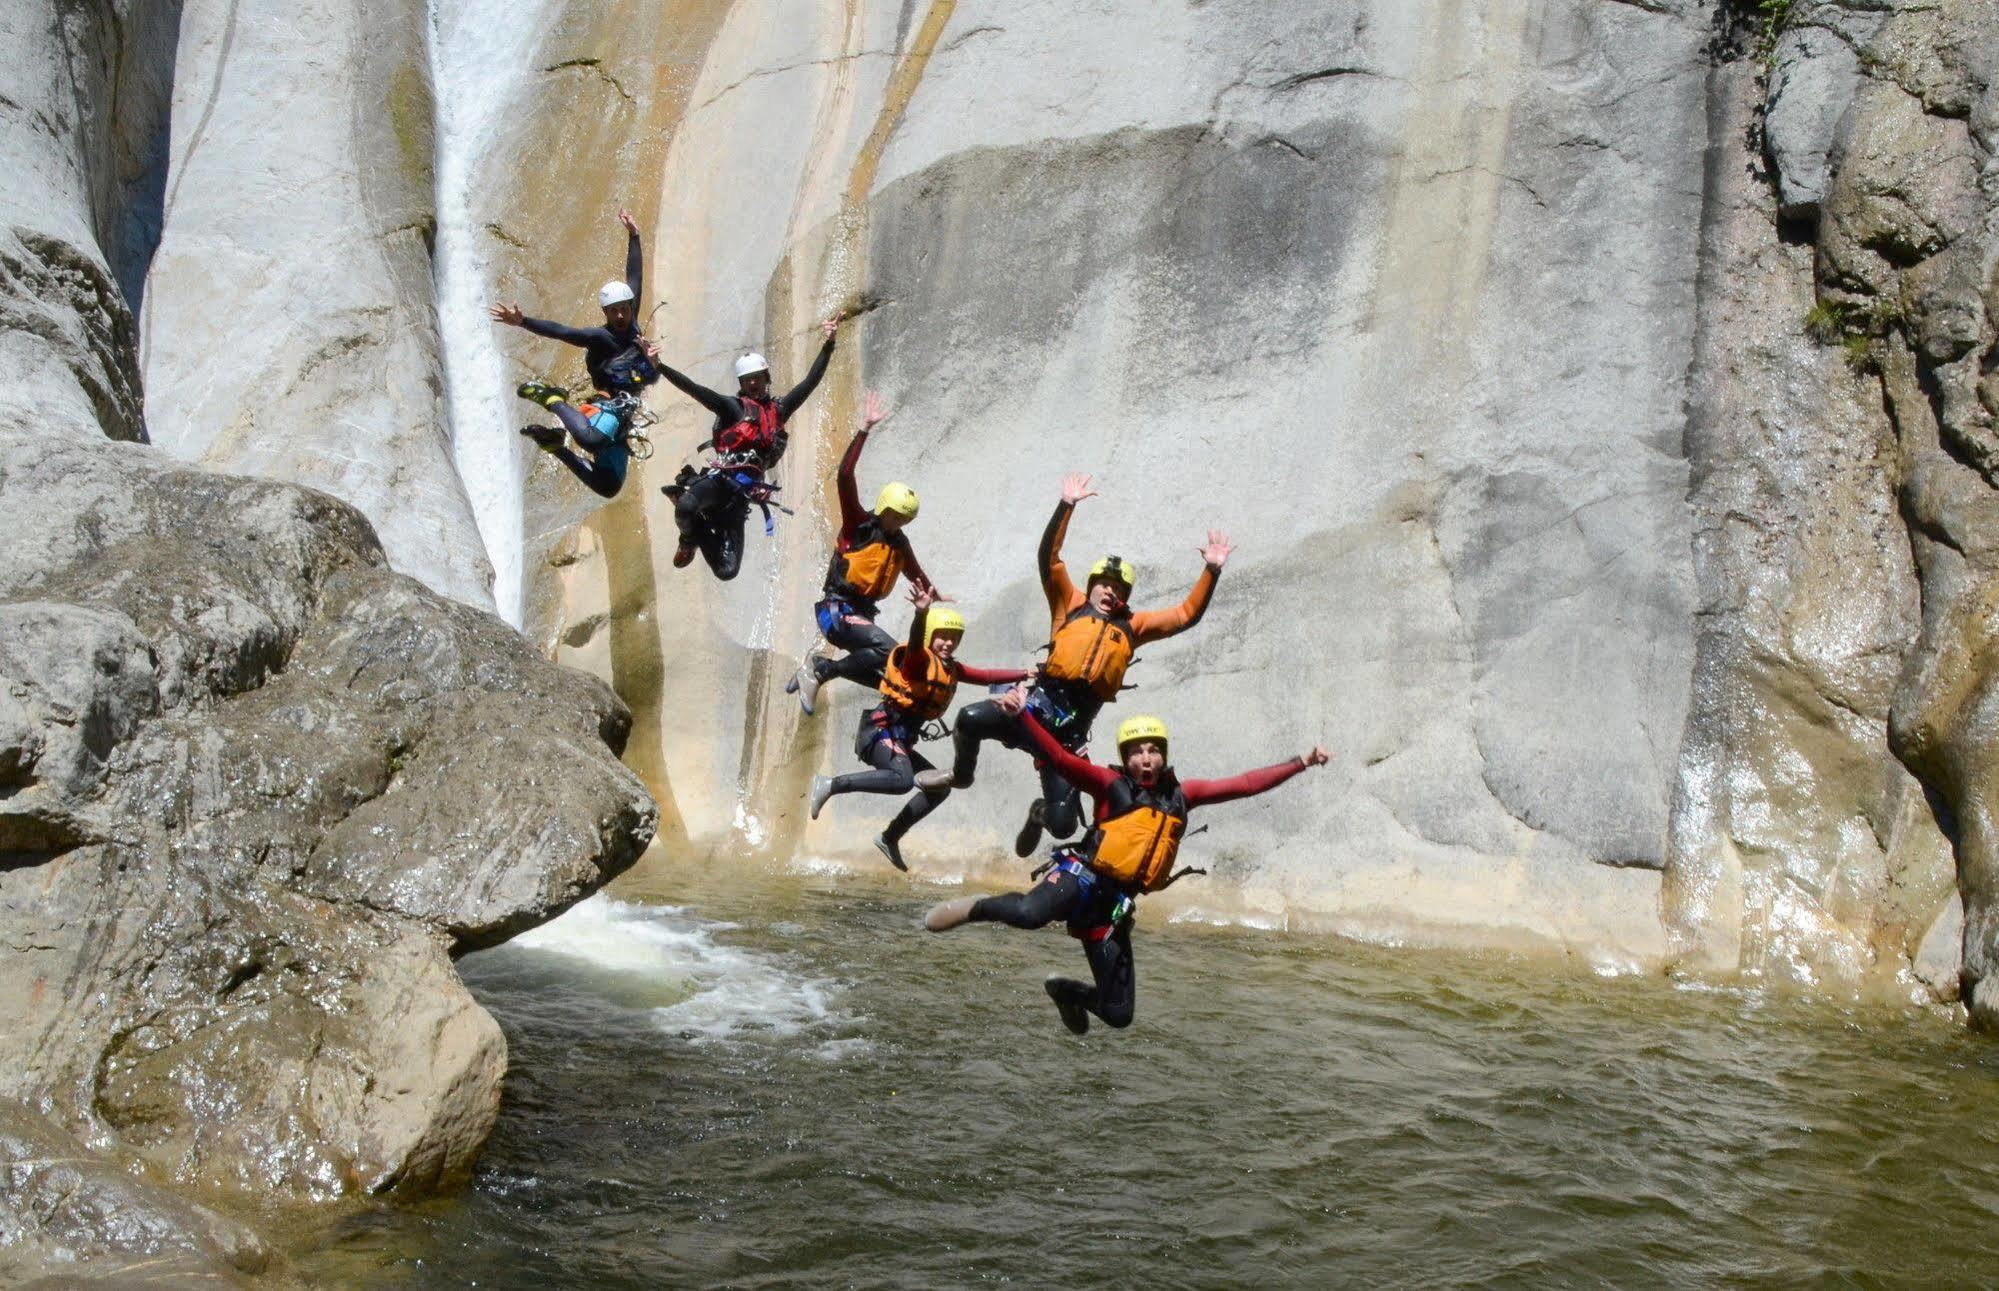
(480, 52)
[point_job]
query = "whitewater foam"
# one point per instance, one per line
(717, 991)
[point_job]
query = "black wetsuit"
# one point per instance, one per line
(711, 510)
(615, 359)
(1090, 908)
(618, 364)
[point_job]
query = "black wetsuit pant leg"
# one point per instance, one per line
(1056, 897)
(604, 470)
(976, 724)
(867, 647)
(1062, 812)
(896, 763)
(710, 513)
(1116, 996)
(1062, 896)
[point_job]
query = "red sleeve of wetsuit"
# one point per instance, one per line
(991, 676)
(851, 513)
(916, 574)
(1246, 785)
(1081, 772)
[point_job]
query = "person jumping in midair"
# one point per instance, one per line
(1140, 820)
(1092, 637)
(621, 364)
(869, 555)
(710, 506)
(918, 681)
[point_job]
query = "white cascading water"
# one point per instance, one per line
(481, 55)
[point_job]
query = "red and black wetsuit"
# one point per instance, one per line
(1090, 902)
(846, 614)
(711, 510)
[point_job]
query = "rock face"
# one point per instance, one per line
(256, 790)
(1256, 267)
(261, 790)
(290, 327)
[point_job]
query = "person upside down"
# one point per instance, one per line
(870, 553)
(710, 506)
(917, 684)
(621, 363)
(1141, 810)
(1093, 635)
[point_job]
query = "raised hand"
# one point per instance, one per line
(1318, 757)
(873, 410)
(923, 595)
(625, 218)
(651, 349)
(1217, 551)
(508, 312)
(832, 325)
(1013, 701)
(1075, 488)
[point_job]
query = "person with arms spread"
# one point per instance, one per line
(1093, 635)
(710, 506)
(1139, 822)
(918, 682)
(621, 363)
(870, 553)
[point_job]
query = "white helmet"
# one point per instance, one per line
(613, 293)
(750, 364)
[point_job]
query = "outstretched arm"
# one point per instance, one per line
(799, 393)
(578, 336)
(851, 510)
(1249, 783)
(992, 676)
(635, 261)
(1081, 772)
(916, 574)
(1055, 582)
(719, 404)
(1151, 625)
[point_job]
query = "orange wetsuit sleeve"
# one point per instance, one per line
(1055, 582)
(1151, 625)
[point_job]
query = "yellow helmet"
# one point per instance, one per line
(1144, 727)
(942, 618)
(899, 498)
(1117, 569)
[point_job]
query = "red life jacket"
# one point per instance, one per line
(755, 433)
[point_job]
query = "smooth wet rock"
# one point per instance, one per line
(290, 330)
(65, 1207)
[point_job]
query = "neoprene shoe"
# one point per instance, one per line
(822, 791)
(542, 393)
(949, 914)
(805, 684)
(546, 438)
(1064, 990)
(1029, 836)
(934, 780)
(887, 847)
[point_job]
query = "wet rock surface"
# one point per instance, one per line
(259, 791)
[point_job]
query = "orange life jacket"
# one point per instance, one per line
(867, 570)
(926, 697)
(1139, 834)
(1091, 649)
